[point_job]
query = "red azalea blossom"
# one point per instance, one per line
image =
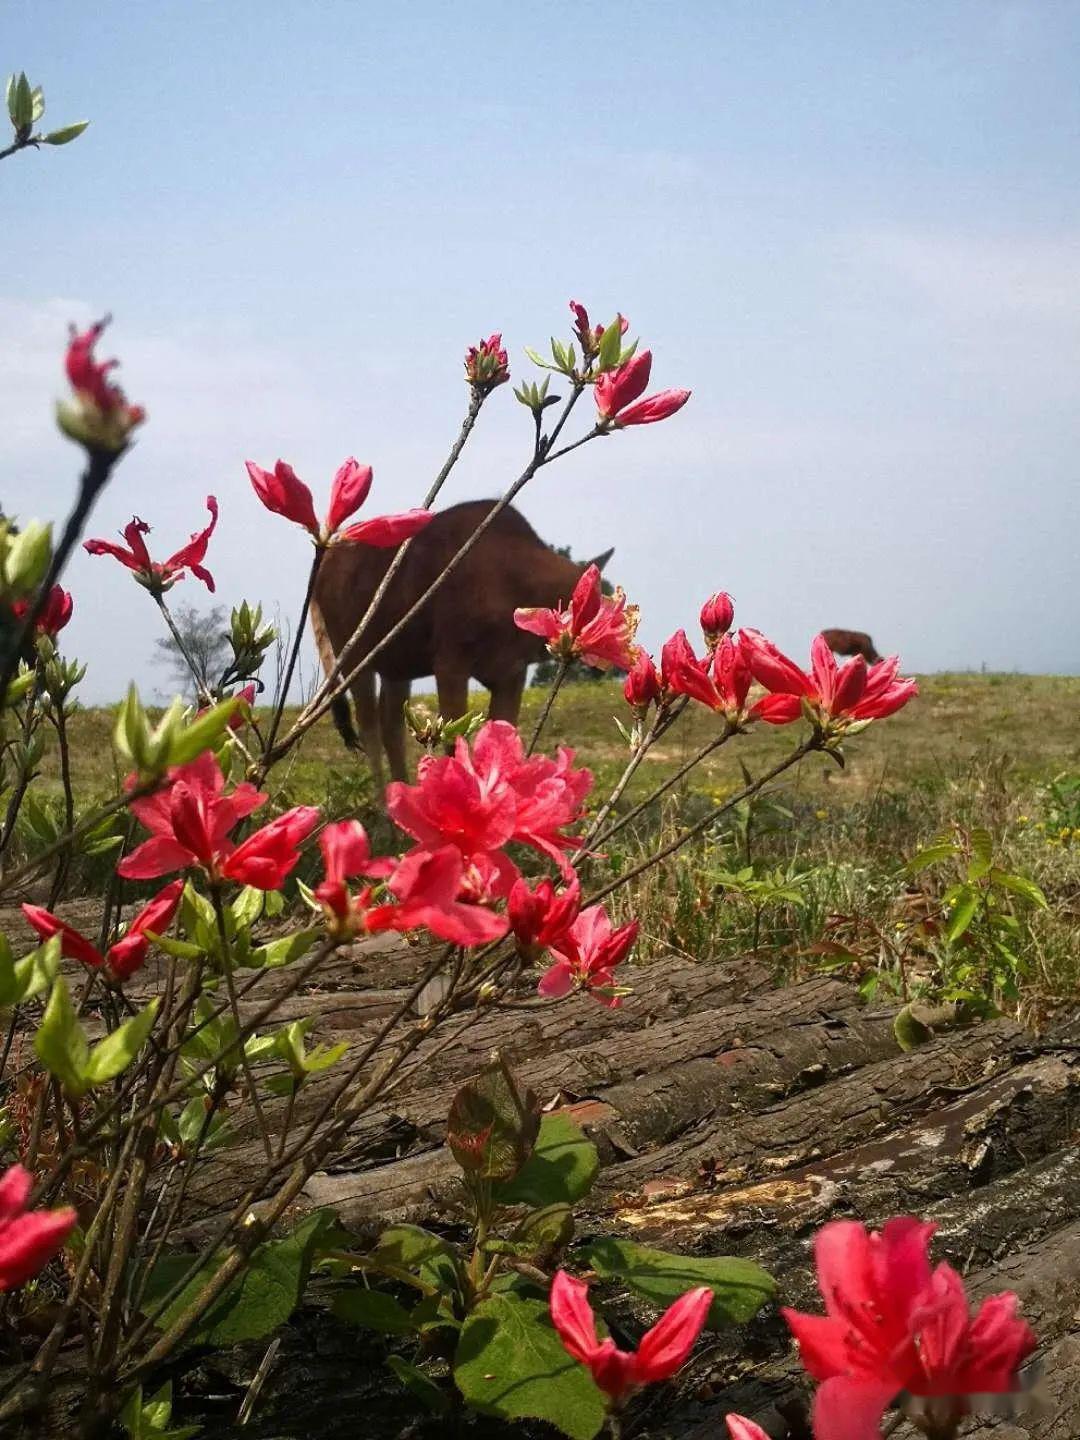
(487, 364)
(618, 390)
(721, 681)
(28, 1238)
(189, 822)
(101, 417)
(739, 1428)
(128, 954)
(661, 1352)
(839, 694)
(480, 800)
(284, 493)
(643, 684)
(586, 957)
(596, 628)
(159, 576)
(716, 616)
(55, 613)
(893, 1325)
(542, 917)
(588, 337)
(438, 890)
(346, 853)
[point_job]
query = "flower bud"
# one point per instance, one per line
(642, 685)
(716, 616)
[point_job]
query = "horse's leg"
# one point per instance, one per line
(367, 719)
(506, 697)
(452, 683)
(393, 695)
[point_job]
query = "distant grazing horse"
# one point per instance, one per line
(851, 642)
(465, 632)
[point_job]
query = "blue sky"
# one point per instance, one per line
(853, 230)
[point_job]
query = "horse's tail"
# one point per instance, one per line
(340, 711)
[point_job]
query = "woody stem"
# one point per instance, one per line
(556, 686)
(286, 681)
(202, 691)
(91, 483)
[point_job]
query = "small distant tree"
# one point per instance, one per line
(544, 674)
(204, 635)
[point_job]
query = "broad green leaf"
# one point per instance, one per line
(373, 1310)
(283, 951)
(23, 979)
(38, 97)
(493, 1124)
(111, 1057)
(419, 1385)
(739, 1287)
(931, 855)
(982, 853)
(963, 912)
(547, 1229)
(511, 1363)
(410, 1246)
(560, 1171)
(1020, 885)
(248, 905)
(60, 1043)
(261, 1298)
(65, 134)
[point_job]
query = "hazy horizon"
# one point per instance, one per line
(853, 232)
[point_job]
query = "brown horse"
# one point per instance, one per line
(465, 632)
(851, 642)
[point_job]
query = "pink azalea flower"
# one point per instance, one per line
(837, 693)
(480, 800)
(100, 416)
(893, 1325)
(542, 916)
(596, 628)
(284, 493)
(721, 681)
(159, 576)
(189, 821)
(618, 390)
(28, 1238)
(586, 957)
(487, 364)
(662, 1351)
(55, 614)
(128, 954)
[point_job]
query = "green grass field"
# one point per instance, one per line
(821, 855)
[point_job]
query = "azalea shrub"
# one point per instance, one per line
(114, 1104)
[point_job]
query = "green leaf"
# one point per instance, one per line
(410, 1246)
(739, 1287)
(493, 1124)
(21, 102)
(1020, 885)
(23, 979)
(38, 97)
(551, 1228)
(281, 952)
(60, 1043)
(561, 1170)
(963, 912)
(538, 359)
(373, 1310)
(419, 1385)
(611, 345)
(511, 1363)
(149, 1420)
(931, 855)
(66, 134)
(260, 1299)
(201, 733)
(112, 1056)
(982, 854)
